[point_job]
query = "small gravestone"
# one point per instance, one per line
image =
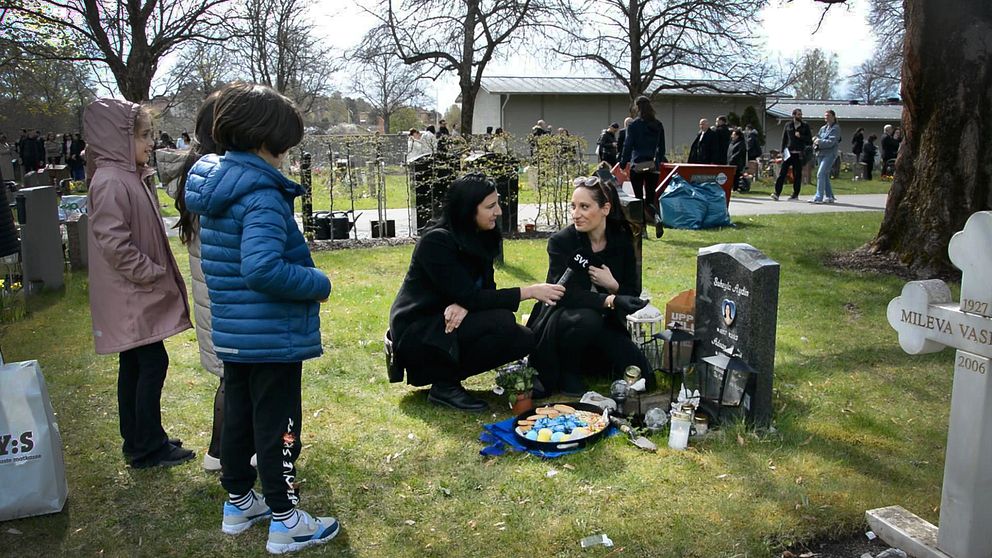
(928, 321)
(736, 312)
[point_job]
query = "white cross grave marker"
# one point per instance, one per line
(928, 321)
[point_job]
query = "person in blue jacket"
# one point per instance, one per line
(826, 144)
(265, 295)
(644, 150)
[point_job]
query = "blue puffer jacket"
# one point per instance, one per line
(264, 288)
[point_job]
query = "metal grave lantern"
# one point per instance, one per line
(723, 379)
(680, 343)
(643, 326)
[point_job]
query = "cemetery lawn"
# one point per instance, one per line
(858, 425)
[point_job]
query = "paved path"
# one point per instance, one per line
(739, 205)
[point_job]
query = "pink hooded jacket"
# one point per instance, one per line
(137, 295)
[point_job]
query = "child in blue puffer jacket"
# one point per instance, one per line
(265, 296)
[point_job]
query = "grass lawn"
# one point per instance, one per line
(858, 425)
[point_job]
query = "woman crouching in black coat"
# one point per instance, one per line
(449, 321)
(586, 330)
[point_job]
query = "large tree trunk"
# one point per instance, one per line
(944, 169)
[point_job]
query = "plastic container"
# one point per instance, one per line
(678, 436)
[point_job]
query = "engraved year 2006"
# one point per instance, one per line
(968, 363)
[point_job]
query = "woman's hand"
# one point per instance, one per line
(547, 293)
(453, 316)
(603, 277)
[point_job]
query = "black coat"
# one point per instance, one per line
(857, 142)
(789, 139)
(737, 155)
(607, 145)
(441, 273)
(579, 291)
(703, 148)
(890, 147)
(868, 152)
(753, 145)
(722, 134)
(644, 141)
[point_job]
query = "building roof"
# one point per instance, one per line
(539, 85)
(782, 109)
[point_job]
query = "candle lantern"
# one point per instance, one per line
(644, 327)
(678, 343)
(722, 382)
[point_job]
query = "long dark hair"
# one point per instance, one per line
(204, 144)
(458, 216)
(644, 108)
(603, 192)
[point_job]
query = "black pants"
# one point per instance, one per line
(586, 343)
(139, 394)
(869, 166)
(218, 427)
(262, 415)
(644, 183)
(795, 161)
(486, 339)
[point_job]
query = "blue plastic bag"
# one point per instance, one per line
(693, 206)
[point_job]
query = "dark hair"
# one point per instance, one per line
(498, 131)
(872, 138)
(248, 117)
(603, 192)
(832, 113)
(431, 129)
(203, 145)
(644, 108)
(458, 216)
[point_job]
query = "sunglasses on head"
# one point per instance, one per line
(591, 182)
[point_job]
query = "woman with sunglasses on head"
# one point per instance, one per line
(585, 331)
(449, 321)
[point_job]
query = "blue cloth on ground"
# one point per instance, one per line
(501, 438)
(694, 206)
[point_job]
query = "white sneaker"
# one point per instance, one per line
(210, 463)
(237, 520)
(308, 531)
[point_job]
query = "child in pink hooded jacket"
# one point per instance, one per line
(137, 295)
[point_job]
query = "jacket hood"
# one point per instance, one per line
(108, 125)
(215, 182)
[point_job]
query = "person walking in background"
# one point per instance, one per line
(189, 235)
(753, 143)
(857, 143)
(499, 144)
(53, 149)
(890, 148)
(704, 145)
(184, 141)
(644, 151)
(622, 135)
(137, 294)
(607, 143)
(827, 145)
(868, 155)
(737, 156)
(721, 133)
(267, 321)
(77, 165)
(795, 138)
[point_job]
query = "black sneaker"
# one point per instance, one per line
(169, 457)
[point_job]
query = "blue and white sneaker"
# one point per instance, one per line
(308, 531)
(237, 520)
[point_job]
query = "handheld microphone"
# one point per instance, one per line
(579, 262)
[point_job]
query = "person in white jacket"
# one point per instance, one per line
(417, 146)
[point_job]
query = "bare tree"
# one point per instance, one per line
(459, 36)
(382, 79)
(278, 46)
(887, 19)
(652, 45)
(874, 80)
(130, 38)
(815, 75)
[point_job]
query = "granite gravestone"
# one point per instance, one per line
(928, 321)
(736, 312)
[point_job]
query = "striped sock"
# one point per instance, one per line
(289, 518)
(244, 502)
